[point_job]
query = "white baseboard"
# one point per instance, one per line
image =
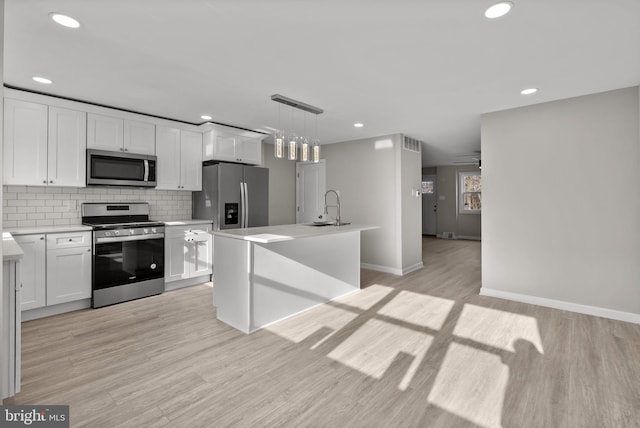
(47, 311)
(412, 268)
(470, 238)
(394, 271)
(175, 285)
(565, 306)
(380, 268)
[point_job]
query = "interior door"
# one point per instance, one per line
(429, 205)
(230, 191)
(311, 185)
(257, 190)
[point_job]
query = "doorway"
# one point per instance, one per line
(429, 205)
(311, 186)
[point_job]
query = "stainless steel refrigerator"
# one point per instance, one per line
(233, 196)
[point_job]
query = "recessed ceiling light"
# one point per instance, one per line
(206, 117)
(529, 91)
(498, 10)
(358, 125)
(64, 20)
(42, 80)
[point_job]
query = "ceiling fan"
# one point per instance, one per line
(469, 159)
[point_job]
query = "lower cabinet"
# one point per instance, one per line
(188, 252)
(68, 275)
(56, 268)
(33, 264)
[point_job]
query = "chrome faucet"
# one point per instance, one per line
(326, 207)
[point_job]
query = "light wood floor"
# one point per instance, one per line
(423, 350)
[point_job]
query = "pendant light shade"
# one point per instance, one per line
(288, 144)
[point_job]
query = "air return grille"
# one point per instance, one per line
(412, 144)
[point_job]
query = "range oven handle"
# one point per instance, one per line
(107, 239)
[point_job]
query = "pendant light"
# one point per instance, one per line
(316, 145)
(304, 143)
(286, 143)
(293, 142)
(279, 139)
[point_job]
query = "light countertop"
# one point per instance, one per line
(47, 229)
(186, 222)
(10, 248)
(287, 232)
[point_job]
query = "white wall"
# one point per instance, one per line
(408, 186)
(369, 176)
(282, 187)
(561, 203)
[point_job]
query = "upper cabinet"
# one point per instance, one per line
(114, 134)
(43, 145)
(179, 155)
(224, 145)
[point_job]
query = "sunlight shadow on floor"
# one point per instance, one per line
(418, 309)
(497, 328)
(471, 384)
(374, 346)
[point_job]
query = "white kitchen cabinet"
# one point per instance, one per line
(115, 134)
(139, 137)
(56, 268)
(179, 155)
(188, 252)
(105, 133)
(68, 274)
(25, 143)
(43, 145)
(225, 146)
(34, 291)
(67, 146)
(191, 160)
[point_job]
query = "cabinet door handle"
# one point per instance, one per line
(126, 150)
(70, 239)
(121, 149)
(44, 181)
(51, 181)
(42, 238)
(88, 250)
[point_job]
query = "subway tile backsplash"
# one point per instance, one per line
(33, 206)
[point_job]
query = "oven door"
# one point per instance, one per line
(127, 260)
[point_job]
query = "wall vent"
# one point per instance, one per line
(412, 144)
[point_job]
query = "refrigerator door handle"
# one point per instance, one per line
(242, 205)
(246, 205)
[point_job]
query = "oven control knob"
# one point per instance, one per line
(132, 231)
(153, 230)
(107, 234)
(145, 230)
(116, 232)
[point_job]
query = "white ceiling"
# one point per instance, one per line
(427, 68)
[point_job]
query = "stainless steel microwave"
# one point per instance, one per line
(120, 169)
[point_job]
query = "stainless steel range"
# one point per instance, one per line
(128, 252)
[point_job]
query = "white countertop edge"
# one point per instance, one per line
(47, 229)
(269, 234)
(10, 248)
(186, 222)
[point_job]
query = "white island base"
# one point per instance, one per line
(263, 275)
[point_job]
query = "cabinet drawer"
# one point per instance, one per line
(68, 240)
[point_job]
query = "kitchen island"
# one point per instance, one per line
(265, 274)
